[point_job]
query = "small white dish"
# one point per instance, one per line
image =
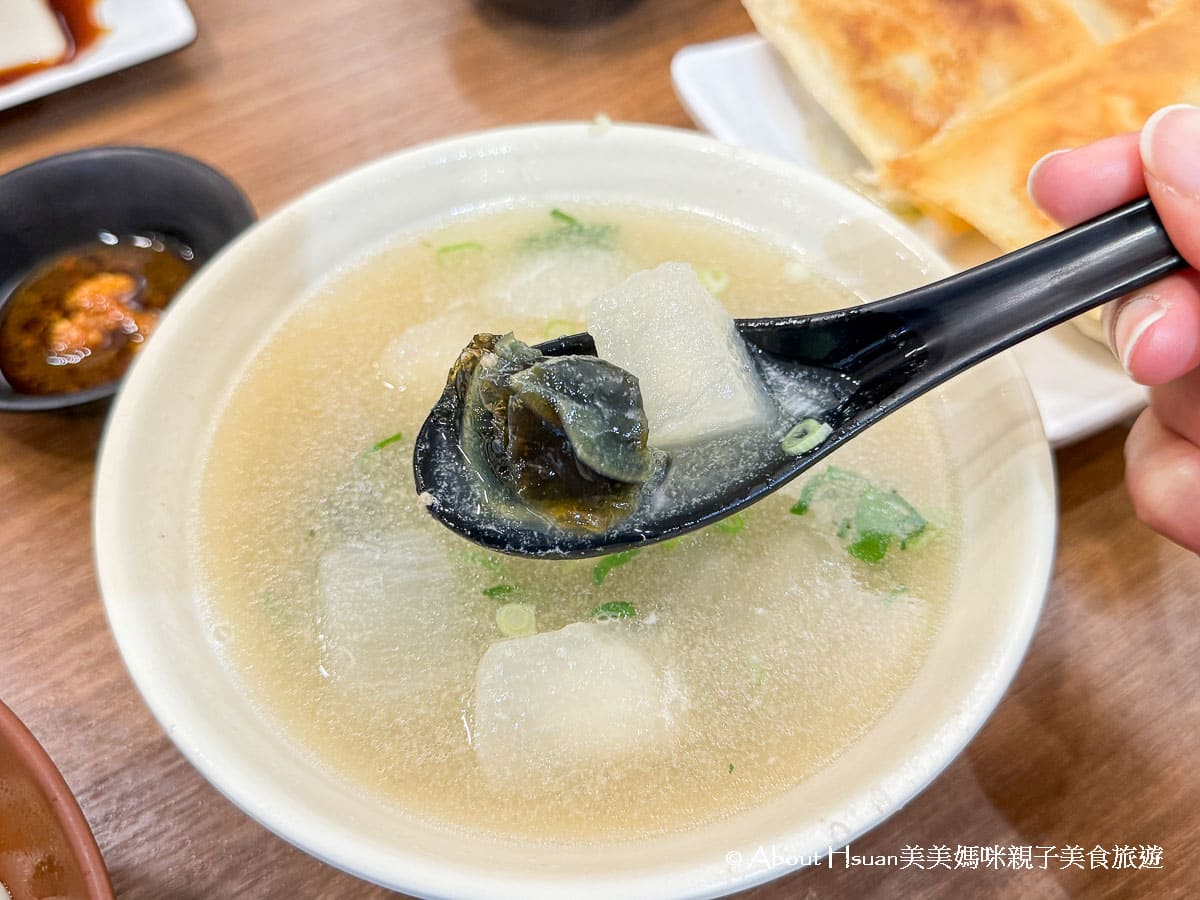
(138, 30)
(741, 92)
(145, 487)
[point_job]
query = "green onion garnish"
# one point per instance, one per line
(871, 547)
(571, 232)
(608, 563)
(759, 670)
(615, 609)
(482, 559)
(870, 518)
(733, 524)
(805, 436)
(453, 252)
(715, 281)
(498, 590)
(386, 442)
(516, 619)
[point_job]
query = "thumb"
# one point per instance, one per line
(1156, 333)
(1170, 147)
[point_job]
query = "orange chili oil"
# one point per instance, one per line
(78, 319)
(79, 25)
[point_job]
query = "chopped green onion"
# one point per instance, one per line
(608, 563)
(715, 281)
(872, 519)
(386, 442)
(759, 670)
(451, 253)
(840, 486)
(880, 518)
(731, 768)
(870, 548)
(920, 539)
(516, 619)
(498, 590)
(278, 608)
(805, 436)
(570, 231)
(482, 559)
(615, 609)
(733, 524)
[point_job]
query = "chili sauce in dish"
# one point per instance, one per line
(77, 320)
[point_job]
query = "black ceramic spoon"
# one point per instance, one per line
(891, 351)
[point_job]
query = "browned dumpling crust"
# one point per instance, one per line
(977, 169)
(1109, 19)
(892, 74)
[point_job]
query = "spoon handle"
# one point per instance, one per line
(970, 316)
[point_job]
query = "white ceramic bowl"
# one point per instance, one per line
(150, 461)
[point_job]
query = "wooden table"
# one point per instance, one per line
(1094, 744)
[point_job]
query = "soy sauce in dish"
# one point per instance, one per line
(80, 27)
(77, 320)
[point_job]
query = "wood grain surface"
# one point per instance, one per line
(1095, 743)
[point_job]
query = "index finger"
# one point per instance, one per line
(1075, 185)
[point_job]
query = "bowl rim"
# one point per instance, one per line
(221, 184)
(50, 783)
(423, 879)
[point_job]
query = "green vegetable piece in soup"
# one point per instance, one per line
(870, 518)
(735, 524)
(565, 434)
(450, 254)
(615, 609)
(568, 231)
(516, 620)
(386, 442)
(610, 562)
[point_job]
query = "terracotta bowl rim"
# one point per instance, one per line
(34, 759)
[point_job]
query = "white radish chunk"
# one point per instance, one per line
(697, 379)
(378, 626)
(566, 701)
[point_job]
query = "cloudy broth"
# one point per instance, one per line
(357, 623)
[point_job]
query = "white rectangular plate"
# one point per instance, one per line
(138, 30)
(742, 93)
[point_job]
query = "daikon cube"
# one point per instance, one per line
(388, 613)
(697, 379)
(566, 701)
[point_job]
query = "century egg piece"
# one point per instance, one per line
(565, 434)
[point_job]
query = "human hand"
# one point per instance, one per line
(1154, 332)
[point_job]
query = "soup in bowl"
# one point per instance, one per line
(449, 721)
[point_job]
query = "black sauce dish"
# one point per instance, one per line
(60, 202)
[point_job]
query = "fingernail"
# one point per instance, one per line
(1037, 165)
(1133, 320)
(1170, 146)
